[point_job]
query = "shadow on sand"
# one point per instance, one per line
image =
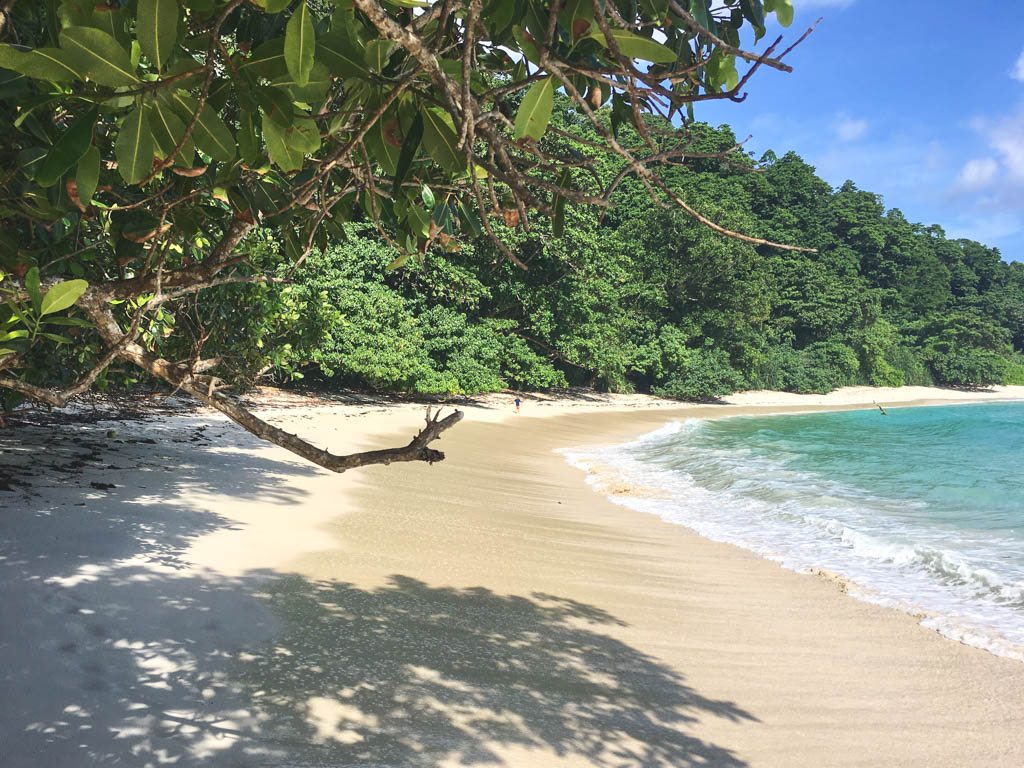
(114, 652)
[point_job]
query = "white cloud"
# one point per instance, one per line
(1018, 68)
(849, 129)
(987, 229)
(1005, 136)
(977, 173)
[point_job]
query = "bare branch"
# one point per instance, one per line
(206, 389)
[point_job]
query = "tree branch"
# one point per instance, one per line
(206, 390)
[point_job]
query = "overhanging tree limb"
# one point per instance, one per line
(218, 130)
(206, 390)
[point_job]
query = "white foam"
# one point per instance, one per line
(969, 589)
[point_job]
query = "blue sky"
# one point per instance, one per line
(921, 101)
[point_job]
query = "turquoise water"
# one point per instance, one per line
(922, 509)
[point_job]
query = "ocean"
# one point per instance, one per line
(921, 510)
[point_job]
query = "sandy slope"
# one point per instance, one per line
(225, 604)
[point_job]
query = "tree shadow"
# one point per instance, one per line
(115, 651)
(100, 615)
(282, 671)
(410, 675)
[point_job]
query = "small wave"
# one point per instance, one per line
(973, 594)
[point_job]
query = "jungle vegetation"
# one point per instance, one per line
(448, 197)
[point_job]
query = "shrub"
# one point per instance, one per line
(969, 368)
(701, 375)
(911, 367)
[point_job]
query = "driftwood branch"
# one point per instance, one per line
(208, 390)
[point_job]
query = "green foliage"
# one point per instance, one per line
(911, 368)
(700, 374)
(364, 325)
(149, 147)
(969, 368)
(535, 110)
(139, 140)
(1015, 370)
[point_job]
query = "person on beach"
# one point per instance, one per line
(517, 402)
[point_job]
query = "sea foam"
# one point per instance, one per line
(891, 538)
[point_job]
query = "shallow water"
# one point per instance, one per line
(922, 509)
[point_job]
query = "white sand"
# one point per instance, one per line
(227, 604)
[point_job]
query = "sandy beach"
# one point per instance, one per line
(175, 592)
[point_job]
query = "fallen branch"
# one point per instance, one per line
(207, 389)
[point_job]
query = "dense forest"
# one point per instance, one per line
(214, 194)
(642, 298)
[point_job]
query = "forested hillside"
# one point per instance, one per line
(212, 193)
(644, 298)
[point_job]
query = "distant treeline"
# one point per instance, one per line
(643, 298)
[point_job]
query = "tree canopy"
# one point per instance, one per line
(641, 298)
(149, 145)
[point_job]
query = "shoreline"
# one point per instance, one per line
(613, 473)
(225, 603)
(933, 667)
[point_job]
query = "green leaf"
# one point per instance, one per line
(427, 196)
(418, 221)
(67, 150)
(98, 56)
(728, 75)
(636, 47)
(87, 175)
(398, 263)
(40, 63)
(499, 16)
(440, 139)
(134, 147)
(753, 10)
(784, 12)
(168, 129)
(211, 134)
(409, 147)
(526, 45)
(342, 53)
(721, 71)
(315, 88)
(56, 338)
(71, 322)
(27, 107)
(248, 146)
(699, 11)
(300, 44)
(33, 290)
(288, 145)
(14, 307)
(281, 153)
(111, 20)
(535, 110)
(157, 29)
(471, 222)
(382, 144)
(268, 59)
(62, 295)
(377, 54)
